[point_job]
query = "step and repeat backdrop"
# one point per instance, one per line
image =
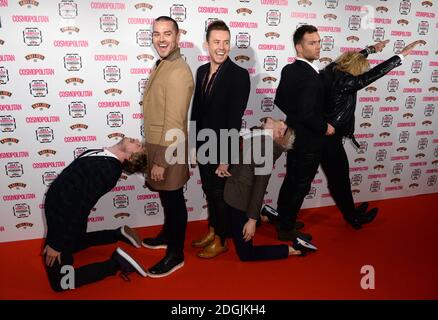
(72, 73)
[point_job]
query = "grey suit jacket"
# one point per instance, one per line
(245, 190)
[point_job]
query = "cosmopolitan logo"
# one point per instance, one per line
(16, 154)
(401, 33)
(382, 144)
(186, 44)
(364, 135)
(44, 165)
(388, 109)
(396, 73)
(96, 219)
(379, 21)
(350, 7)
(108, 5)
(69, 94)
(217, 10)
(377, 176)
(399, 158)
(329, 29)
(148, 196)
(243, 25)
(406, 124)
(425, 133)
(356, 169)
(279, 47)
(395, 188)
(266, 90)
(123, 188)
(7, 57)
(42, 119)
(143, 21)
(419, 53)
(16, 197)
(37, 72)
(369, 99)
(274, 2)
(303, 15)
(70, 43)
(140, 70)
(114, 104)
(349, 49)
(412, 90)
(34, 19)
(110, 57)
(425, 14)
(418, 164)
(79, 139)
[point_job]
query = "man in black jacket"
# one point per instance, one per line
(221, 95)
(300, 95)
(342, 79)
(67, 206)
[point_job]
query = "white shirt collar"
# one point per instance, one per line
(104, 152)
(311, 64)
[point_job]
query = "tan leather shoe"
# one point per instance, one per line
(213, 249)
(202, 243)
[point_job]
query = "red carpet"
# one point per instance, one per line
(401, 245)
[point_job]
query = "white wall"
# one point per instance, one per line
(56, 98)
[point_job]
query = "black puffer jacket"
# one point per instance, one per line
(341, 92)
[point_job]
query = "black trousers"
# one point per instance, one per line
(301, 167)
(175, 219)
(89, 273)
(245, 249)
(334, 162)
(213, 186)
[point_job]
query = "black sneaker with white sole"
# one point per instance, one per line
(170, 263)
(130, 236)
(126, 263)
(303, 245)
(155, 243)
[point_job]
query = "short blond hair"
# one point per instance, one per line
(353, 63)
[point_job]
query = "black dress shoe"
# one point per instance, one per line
(126, 263)
(362, 207)
(353, 220)
(368, 216)
(170, 263)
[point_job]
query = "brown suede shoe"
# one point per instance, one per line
(213, 249)
(202, 243)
